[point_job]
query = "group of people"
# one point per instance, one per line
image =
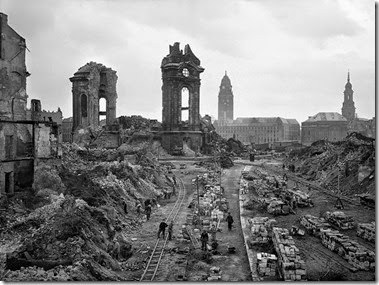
(204, 235)
(149, 203)
(162, 229)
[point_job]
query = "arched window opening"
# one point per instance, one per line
(102, 111)
(83, 105)
(185, 105)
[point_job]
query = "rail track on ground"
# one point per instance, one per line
(156, 256)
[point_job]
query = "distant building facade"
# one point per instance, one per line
(261, 130)
(329, 126)
(225, 102)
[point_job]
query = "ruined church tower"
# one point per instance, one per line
(225, 101)
(348, 108)
(181, 99)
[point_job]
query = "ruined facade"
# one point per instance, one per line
(180, 100)
(90, 84)
(24, 140)
(329, 126)
(225, 102)
(348, 108)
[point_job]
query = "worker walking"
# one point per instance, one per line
(162, 228)
(170, 228)
(125, 206)
(204, 240)
(148, 212)
(230, 221)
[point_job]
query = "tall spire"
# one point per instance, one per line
(225, 73)
(348, 76)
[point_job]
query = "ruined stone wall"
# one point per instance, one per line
(13, 73)
(47, 141)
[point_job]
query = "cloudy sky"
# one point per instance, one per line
(286, 58)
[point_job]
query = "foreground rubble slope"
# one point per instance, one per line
(70, 233)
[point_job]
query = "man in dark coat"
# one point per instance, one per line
(230, 221)
(148, 212)
(162, 228)
(204, 240)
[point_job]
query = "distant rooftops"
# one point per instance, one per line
(263, 120)
(326, 116)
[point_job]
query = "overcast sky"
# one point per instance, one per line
(286, 58)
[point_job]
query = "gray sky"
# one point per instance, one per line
(285, 58)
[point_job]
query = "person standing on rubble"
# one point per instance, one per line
(204, 240)
(162, 228)
(139, 206)
(230, 221)
(148, 212)
(213, 232)
(170, 228)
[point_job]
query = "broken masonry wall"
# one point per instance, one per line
(108, 140)
(6, 167)
(13, 73)
(47, 141)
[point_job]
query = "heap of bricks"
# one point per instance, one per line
(354, 253)
(259, 229)
(266, 264)
(341, 220)
(366, 231)
(291, 266)
(314, 224)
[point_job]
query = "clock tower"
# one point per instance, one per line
(225, 102)
(348, 108)
(181, 99)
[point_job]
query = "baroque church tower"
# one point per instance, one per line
(348, 108)
(225, 102)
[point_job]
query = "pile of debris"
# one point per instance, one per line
(314, 224)
(340, 220)
(291, 266)
(336, 166)
(367, 231)
(260, 227)
(354, 253)
(266, 264)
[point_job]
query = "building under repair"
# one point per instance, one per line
(91, 84)
(26, 140)
(181, 121)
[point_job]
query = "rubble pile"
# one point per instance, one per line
(327, 162)
(260, 227)
(80, 231)
(266, 264)
(354, 253)
(314, 224)
(291, 266)
(340, 220)
(366, 231)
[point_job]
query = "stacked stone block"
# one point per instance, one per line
(266, 264)
(341, 220)
(354, 253)
(260, 227)
(314, 224)
(366, 231)
(291, 266)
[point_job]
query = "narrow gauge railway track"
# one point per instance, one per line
(157, 253)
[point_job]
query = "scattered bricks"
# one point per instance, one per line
(266, 264)
(366, 231)
(288, 256)
(340, 220)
